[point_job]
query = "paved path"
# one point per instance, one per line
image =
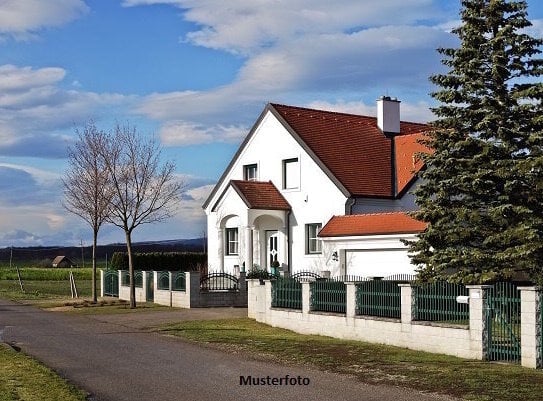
(112, 358)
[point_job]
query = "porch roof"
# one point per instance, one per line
(260, 195)
(372, 224)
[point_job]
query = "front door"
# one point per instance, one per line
(272, 248)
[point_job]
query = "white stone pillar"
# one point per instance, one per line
(478, 310)
(530, 327)
(350, 299)
(407, 301)
(102, 283)
(306, 297)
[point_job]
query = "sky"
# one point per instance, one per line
(195, 75)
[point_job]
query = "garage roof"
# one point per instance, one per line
(372, 224)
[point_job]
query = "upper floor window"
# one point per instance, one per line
(313, 243)
(250, 172)
(291, 173)
(232, 241)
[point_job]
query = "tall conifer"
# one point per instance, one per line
(482, 189)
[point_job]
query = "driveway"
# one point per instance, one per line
(112, 358)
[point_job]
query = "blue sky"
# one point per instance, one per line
(195, 74)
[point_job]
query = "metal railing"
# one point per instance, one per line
(138, 278)
(380, 298)
(163, 280)
(436, 302)
(219, 282)
(179, 282)
(328, 296)
(287, 293)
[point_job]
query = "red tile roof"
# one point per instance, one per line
(408, 164)
(371, 224)
(354, 149)
(260, 195)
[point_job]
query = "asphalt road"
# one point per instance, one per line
(114, 359)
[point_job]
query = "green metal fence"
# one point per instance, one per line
(111, 283)
(287, 293)
(138, 278)
(378, 298)
(328, 296)
(163, 280)
(436, 302)
(179, 281)
(503, 323)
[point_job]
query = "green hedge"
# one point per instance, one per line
(170, 261)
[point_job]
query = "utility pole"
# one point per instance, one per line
(82, 257)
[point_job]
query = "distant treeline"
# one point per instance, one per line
(171, 261)
(43, 256)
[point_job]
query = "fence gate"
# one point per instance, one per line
(150, 290)
(111, 283)
(503, 323)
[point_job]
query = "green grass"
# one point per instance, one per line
(43, 289)
(370, 363)
(23, 378)
(39, 273)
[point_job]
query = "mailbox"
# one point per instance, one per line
(462, 299)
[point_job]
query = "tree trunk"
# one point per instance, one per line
(94, 241)
(128, 235)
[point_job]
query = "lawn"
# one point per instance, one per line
(369, 363)
(23, 378)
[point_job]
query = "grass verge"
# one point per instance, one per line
(23, 378)
(370, 363)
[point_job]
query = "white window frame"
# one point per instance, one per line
(313, 244)
(231, 241)
(291, 166)
(248, 168)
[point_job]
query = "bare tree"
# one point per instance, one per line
(87, 192)
(145, 190)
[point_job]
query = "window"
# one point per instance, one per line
(312, 243)
(232, 241)
(250, 172)
(291, 173)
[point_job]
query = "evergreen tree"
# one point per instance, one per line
(482, 189)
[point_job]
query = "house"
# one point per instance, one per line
(320, 191)
(62, 261)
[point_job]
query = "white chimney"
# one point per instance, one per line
(388, 115)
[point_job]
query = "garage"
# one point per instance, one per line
(377, 262)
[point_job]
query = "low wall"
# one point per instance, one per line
(461, 341)
(191, 297)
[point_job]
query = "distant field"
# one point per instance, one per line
(42, 283)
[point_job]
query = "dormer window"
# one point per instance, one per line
(291, 173)
(250, 172)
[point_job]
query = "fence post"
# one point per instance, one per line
(478, 310)
(350, 299)
(102, 282)
(530, 327)
(306, 297)
(170, 286)
(192, 288)
(407, 301)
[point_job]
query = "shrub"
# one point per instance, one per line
(171, 261)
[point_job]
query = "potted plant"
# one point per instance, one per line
(274, 266)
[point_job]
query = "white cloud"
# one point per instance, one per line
(33, 104)
(21, 18)
(183, 133)
(246, 26)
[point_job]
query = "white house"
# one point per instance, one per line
(320, 191)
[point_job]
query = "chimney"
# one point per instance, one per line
(388, 115)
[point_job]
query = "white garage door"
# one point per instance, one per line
(380, 262)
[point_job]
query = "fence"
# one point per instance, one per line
(287, 293)
(328, 296)
(376, 311)
(378, 298)
(184, 289)
(437, 302)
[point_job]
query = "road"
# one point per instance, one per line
(114, 359)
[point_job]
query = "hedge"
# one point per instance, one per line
(171, 261)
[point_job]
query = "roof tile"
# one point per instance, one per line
(260, 195)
